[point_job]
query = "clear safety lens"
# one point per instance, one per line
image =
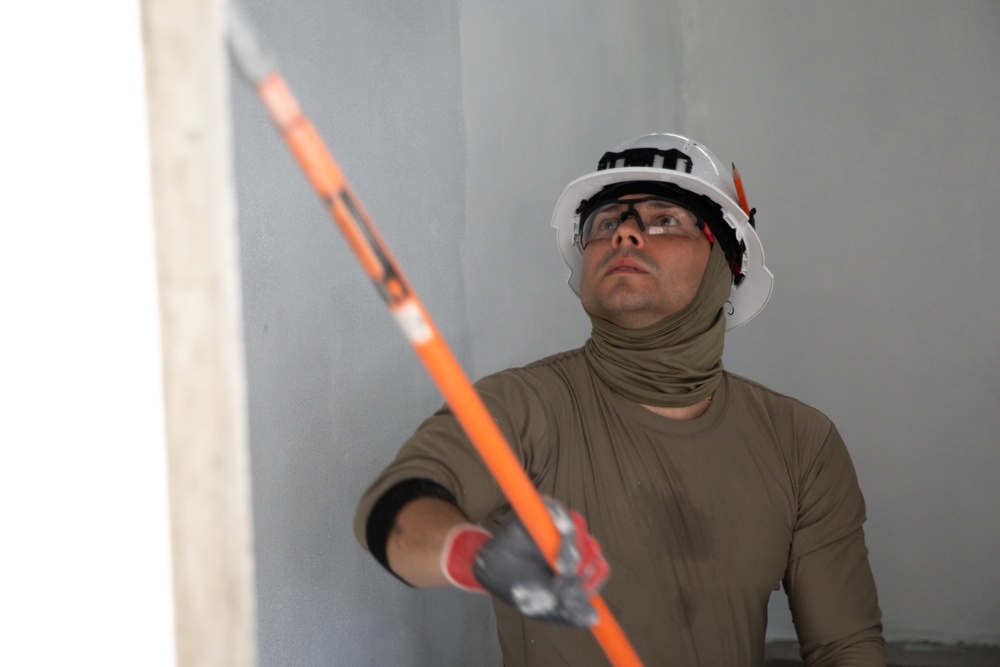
(653, 215)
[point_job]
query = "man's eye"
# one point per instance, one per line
(607, 224)
(664, 221)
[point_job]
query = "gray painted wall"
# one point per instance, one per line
(867, 136)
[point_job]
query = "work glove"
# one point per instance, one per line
(510, 566)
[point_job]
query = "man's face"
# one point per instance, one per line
(633, 278)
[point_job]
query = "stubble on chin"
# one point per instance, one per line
(620, 302)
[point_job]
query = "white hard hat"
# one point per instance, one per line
(686, 164)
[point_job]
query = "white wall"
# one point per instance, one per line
(333, 387)
(84, 566)
(866, 135)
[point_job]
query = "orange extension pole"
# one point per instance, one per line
(344, 206)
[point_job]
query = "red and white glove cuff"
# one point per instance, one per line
(461, 546)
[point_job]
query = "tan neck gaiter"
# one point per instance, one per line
(675, 362)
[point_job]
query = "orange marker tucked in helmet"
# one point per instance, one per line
(738, 182)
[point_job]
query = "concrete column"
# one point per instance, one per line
(204, 373)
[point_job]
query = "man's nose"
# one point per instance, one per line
(628, 232)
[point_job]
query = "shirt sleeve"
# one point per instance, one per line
(440, 452)
(829, 581)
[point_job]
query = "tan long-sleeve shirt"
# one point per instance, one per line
(700, 520)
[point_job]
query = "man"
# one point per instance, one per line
(704, 490)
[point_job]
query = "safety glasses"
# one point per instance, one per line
(653, 215)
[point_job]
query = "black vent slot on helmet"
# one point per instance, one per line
(647, 157)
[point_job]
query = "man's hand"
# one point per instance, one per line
(511, 567)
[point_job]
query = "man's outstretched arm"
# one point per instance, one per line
(430, 542)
